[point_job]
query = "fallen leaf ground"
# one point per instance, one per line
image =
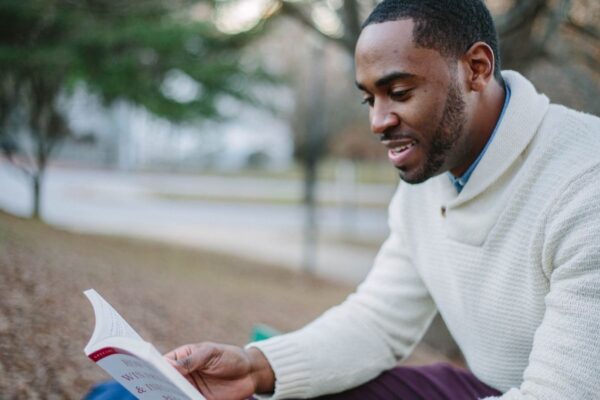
(170, 295)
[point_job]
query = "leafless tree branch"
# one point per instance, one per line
(523, 12)
(294, 11)
(588, 31)
(557, 16)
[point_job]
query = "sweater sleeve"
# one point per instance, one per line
(354, 342)
(563, 363)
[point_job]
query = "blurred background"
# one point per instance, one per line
(212, 153)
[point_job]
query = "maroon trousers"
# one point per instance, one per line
(430, 382)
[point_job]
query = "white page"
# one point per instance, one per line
(109, 322)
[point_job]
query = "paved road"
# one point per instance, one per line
(127, 203)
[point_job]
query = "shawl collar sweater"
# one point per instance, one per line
(512, 263)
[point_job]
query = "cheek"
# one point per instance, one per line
(424, 113)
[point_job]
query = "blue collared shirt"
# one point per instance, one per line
(460, 182)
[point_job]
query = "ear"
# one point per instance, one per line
(479, 62)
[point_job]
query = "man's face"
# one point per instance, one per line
(415, 101)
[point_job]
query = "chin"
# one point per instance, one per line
(413, 178)
(420, 174)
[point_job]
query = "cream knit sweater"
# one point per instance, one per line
(512, 265)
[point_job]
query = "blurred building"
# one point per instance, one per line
(128, 137)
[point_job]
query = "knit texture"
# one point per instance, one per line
(512, 265)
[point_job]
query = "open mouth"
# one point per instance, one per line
(402, 152)
(403, 148)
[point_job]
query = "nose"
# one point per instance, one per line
(382, 118)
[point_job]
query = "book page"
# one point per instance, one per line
(109, 322)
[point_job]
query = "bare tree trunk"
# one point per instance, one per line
(310, 221)
(312, 156)
(352, 22)
(36, 181)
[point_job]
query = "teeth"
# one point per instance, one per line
(403, 148)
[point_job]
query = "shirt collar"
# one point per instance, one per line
(460, 182)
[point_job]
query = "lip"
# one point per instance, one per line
(396, 142)
(402, 158)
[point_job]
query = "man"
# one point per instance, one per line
(498, 230)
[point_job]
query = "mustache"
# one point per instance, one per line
(395, 135)
(385, 137)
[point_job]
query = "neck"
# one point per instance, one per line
(485, 117)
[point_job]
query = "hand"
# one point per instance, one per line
(223, 372)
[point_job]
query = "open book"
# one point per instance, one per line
(131, 361)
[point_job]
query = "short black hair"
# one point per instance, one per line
(448, 26)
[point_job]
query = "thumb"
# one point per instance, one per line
(171, 361)
(189, 358)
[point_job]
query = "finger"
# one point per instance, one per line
(198, 357)
(190, 358)
(194, 383)
(176, 356)
(171, 356)
(171, 361)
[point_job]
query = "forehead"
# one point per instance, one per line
(388, 47)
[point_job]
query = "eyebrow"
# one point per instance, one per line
(385, 80)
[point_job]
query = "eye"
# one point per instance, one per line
(368, 100)
(399, 95)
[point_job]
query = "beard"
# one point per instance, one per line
(445, 138)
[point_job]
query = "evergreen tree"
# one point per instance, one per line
(120, 50)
